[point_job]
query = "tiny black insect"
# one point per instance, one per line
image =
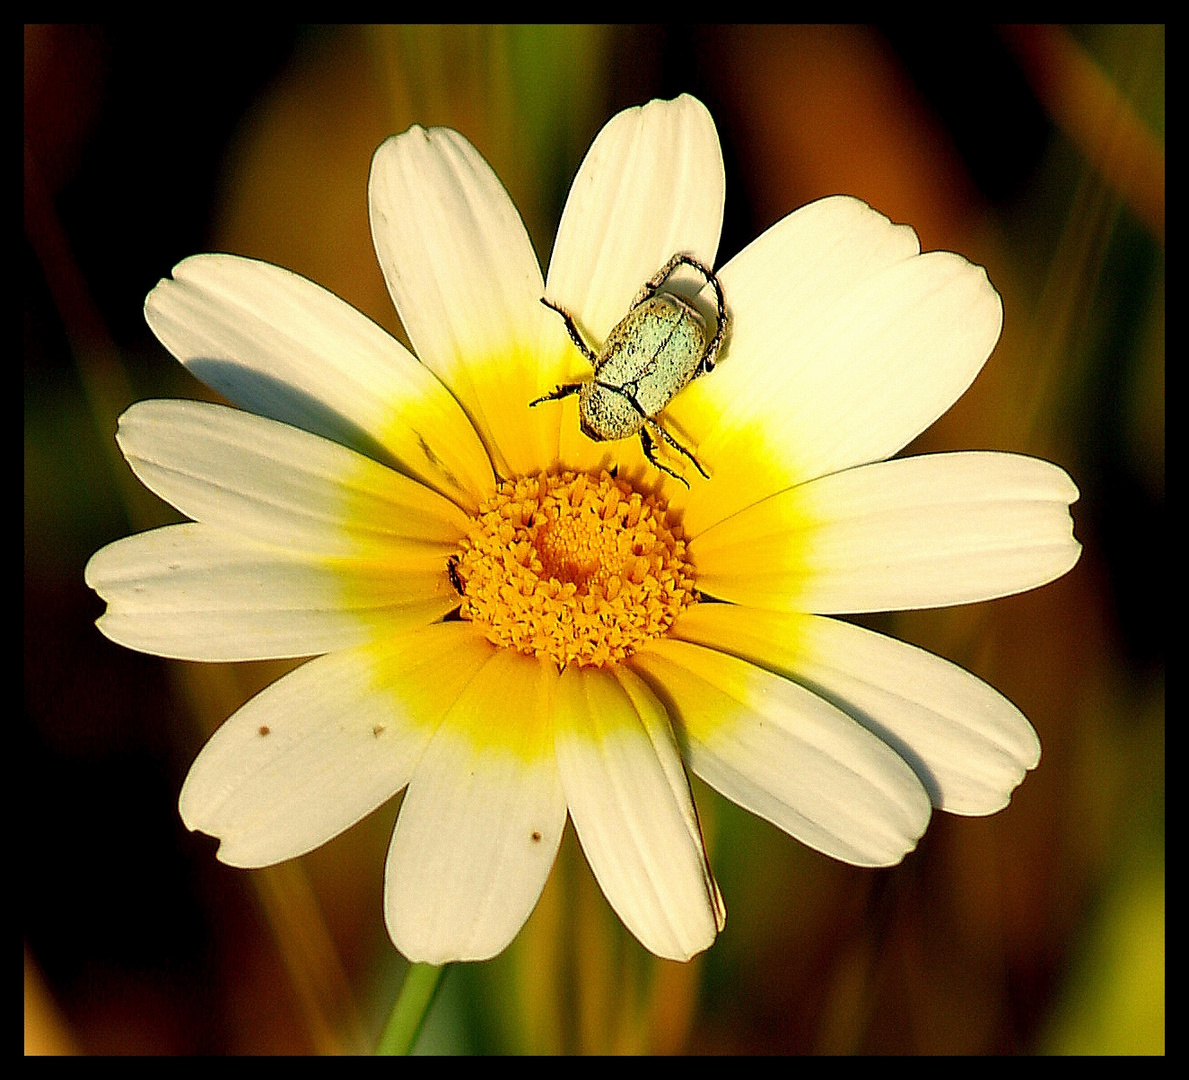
(455, 578)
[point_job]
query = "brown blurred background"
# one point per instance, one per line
(1038, 152)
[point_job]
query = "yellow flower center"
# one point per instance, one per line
(581, 569)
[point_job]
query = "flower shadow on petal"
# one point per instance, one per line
(276, 399)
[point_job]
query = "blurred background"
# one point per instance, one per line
(1038, 152)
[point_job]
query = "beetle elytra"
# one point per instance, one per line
(653, 353)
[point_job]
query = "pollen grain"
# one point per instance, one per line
(579, 568)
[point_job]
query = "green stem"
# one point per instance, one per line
(411, 1008)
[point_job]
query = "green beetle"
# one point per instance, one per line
(656, 349)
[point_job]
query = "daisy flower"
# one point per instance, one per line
(517, 622)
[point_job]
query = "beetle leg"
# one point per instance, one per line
(649, 452)
(678, 447)
(572, 330)
(650, 287)
(709, 357)
(624, 392)
(558, 392)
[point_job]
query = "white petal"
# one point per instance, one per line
(845, 344)
(276, 484)
(282, 347)
(480, 825)
(916, 532)
(466, 283)
(969, 745)
(785, 754)
(324, 746)
(651, 185)
(632, 809)
(194, 593)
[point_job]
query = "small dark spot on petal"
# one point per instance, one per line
(536, 837)
(377, 730)
(264, 729)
